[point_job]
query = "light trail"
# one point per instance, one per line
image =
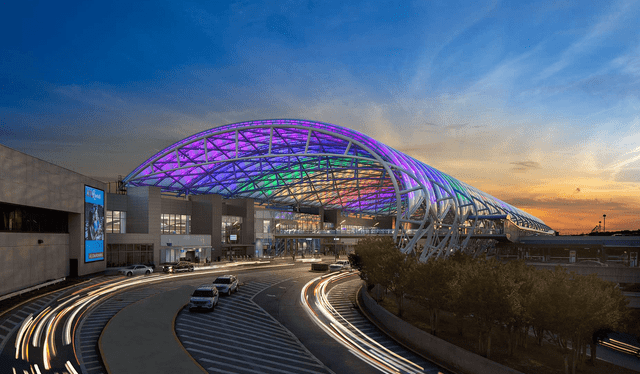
(621, 347)
(325, 316)
(25, 325)
(42, 331)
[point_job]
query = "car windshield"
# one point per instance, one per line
(203, 293)
(222, 281)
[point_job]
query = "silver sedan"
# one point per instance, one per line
(135, 270)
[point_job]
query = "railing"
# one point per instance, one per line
(337, 232)
(351, 232)
(36, 287)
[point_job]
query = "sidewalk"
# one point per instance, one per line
(141, 337)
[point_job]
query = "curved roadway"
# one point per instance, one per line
(261, 329)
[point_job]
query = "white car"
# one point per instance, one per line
(226, 284)
(204, 297)
(135, 270)
(340, 265)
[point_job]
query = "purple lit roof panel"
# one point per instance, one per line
(290, 137)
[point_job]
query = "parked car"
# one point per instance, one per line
(177, 267)
(226, 284)
(135, 270)
(204, 297)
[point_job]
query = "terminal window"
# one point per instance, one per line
(231, 229)
(116, 222)
(175, 224)
(129, 254)
(19, 218)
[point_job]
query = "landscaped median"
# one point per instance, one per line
(442, 352)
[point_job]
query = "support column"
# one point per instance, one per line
(206, 219)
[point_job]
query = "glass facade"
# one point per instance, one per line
(268, 222)
(20, 218)
(129, 254)
(116, 222)
(175, 224)
(231, 229)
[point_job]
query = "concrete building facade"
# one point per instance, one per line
(42, 218)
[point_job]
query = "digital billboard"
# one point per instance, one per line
(93, 224)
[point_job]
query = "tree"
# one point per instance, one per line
(517, 281)
(373, 252)
(432, 288)
(382, 263)
(483, 291)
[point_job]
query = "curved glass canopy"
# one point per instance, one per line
(308, 163)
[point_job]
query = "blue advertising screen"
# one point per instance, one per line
(93, 224)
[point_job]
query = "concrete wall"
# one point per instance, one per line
(206, 219)
(29, 181)
(248, 224)
(26, 263)
(441, 351)
(117, 202)
(175, 206)
(26, 180)
(138, 210)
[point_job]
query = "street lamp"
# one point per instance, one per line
(604, 223)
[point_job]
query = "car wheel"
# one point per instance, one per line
(192, 269)
(129, 274)
(147, 272)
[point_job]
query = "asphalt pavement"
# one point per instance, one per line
(141, 338)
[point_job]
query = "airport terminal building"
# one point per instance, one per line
(254, 188)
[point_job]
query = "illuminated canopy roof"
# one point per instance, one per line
(308, 163)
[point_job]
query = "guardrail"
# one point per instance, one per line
(36, 287)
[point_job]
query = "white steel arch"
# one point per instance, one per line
(310, 163)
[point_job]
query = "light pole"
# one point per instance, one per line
(604, 223)
(599, 225)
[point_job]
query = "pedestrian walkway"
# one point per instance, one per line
(141, 339)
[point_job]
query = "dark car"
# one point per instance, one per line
(177, 267)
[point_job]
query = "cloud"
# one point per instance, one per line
(559, 203)
(524, 166)
(587, 43)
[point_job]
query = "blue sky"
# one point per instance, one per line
(534, 102)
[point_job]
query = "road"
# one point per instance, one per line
(285, 319)
(58, 332)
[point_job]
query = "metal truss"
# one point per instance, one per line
(307, 163)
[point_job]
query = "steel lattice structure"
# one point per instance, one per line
(308, 163)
